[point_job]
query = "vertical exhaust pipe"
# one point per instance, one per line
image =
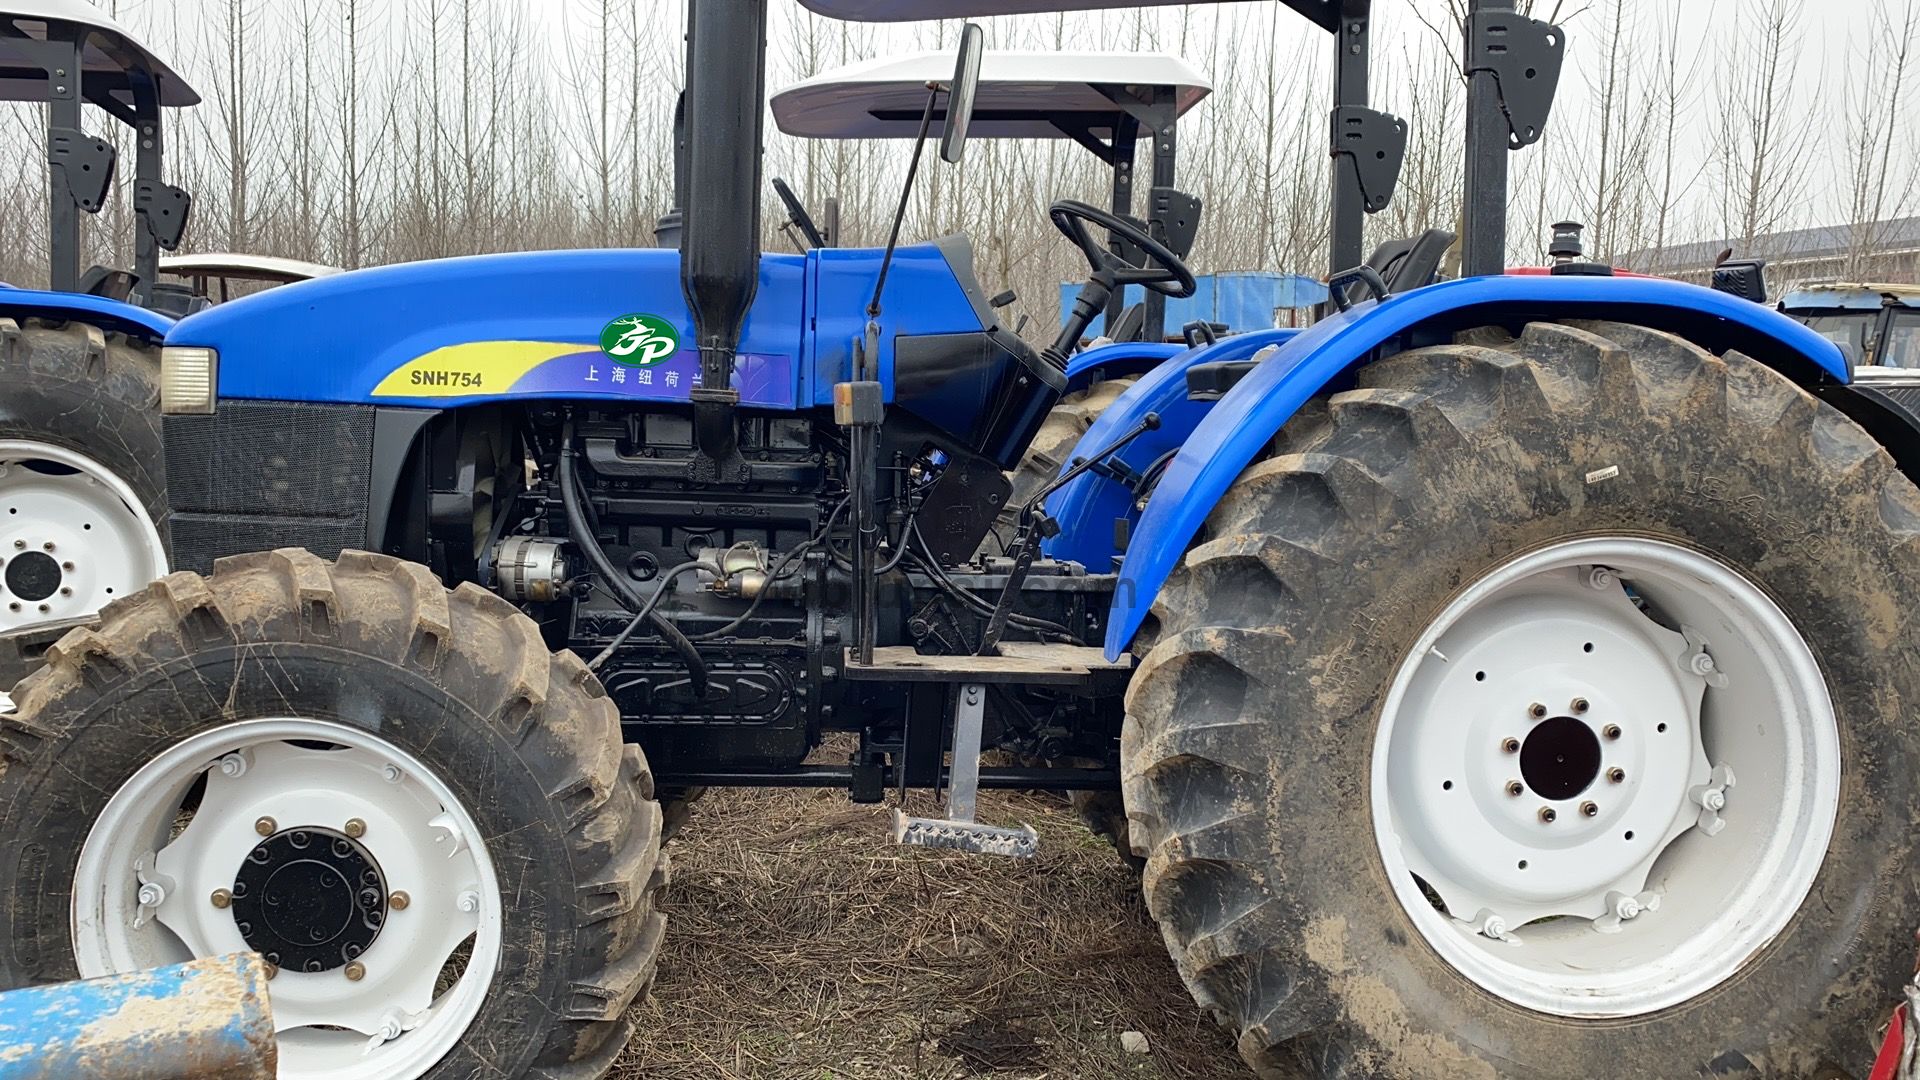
(720, 245)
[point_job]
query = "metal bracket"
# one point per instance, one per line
(1524, 57)
(85, 165)
(1377, 143)
(165, 210)
(958, 830)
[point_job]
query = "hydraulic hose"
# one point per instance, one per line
(589, 544)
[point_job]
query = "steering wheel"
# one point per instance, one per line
(1163, 271)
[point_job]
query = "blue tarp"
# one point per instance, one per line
(1244, 300)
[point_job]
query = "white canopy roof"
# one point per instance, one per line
(20, 81)
(237, 264)
(1021, 93)
(907, 10)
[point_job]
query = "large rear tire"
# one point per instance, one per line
(1330, 755)
(82, 480)
(397, 794)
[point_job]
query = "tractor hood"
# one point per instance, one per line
(571, 324)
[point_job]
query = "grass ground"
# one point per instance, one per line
(802, 945)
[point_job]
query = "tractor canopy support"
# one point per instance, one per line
(1512, 65)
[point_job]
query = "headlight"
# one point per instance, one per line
(188, 380)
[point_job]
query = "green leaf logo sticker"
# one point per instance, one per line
(639, 340)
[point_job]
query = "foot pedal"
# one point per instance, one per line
(1021, 843)
(958, 831)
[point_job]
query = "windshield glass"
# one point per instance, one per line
(1902, 347)
(1848, 330)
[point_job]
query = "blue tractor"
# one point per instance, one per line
(82, 484)
(1506, 677)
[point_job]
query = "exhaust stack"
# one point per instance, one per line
(720, 246)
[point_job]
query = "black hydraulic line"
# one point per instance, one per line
(630, 598)
(646, 610)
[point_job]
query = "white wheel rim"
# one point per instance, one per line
(389, 1023)
(73, 535)
(1751, 733)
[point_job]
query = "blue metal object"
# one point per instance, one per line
(107, 314)
(1248, 416)
(203, 1020)
(1089, 366)
(1088, 505)
(529, 325)
(1243, 300)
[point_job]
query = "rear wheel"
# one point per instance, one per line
(1495, 725)
(397, 795)
(82, 489)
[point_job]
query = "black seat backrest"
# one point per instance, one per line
(1129, 326)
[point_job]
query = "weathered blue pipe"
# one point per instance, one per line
(204, 1020)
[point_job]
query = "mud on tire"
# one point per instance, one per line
(1250, 726)
(525, 738)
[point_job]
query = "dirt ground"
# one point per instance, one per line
(803, 945)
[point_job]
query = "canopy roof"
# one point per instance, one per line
(237, 264)
(1323, 12)
(111, 50)
(1023, 95)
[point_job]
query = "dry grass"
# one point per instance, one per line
(802, 945)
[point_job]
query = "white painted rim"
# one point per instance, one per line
(88, 520)
(389, 1024)
(1533, 906)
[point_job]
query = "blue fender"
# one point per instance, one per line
(205, 1018)
(107, 314)
(1248, 416)
(1089, 504)
(1089, 366)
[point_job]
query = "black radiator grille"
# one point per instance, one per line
(267, 474)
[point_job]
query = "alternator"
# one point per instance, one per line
(530, 568)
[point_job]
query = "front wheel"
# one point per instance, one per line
(1543, 703)
(422, 819)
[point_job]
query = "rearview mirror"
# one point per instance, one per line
(966, 80)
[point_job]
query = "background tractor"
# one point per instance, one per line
(1497, 678)
(82, 484)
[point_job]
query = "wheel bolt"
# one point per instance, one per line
(1515, 787)
(1537, 711)
(44, 609)
(1510, 744)
(391, 774)
(265, 826)
(1547, 814)
(1611, 731)
(1579, 705)
(66, 566)
(356, 971)
(272, 970)
(1616, 774)
(18, 544)
(13, 606)
(469, 902)
(356, 828)
(66, 590)
(222, 899)
(399, 900)
(48, 545)
(1590, 809)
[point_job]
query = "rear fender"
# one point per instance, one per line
(1116, 360)
(17, 304)
(1090, 504)
(1245, 420)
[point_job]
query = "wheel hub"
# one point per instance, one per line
(1555, 767)
(309, 899)
(33, 576)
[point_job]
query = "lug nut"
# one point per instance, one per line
(1547, 814)
(48, 545)
(66, 566)
(356, 971)
(66, 590)
(222, 899)
(355, 828)
(18, 544)
(272, 970)
(265, 826)
(1510, 744)
(1611, 731)
(1590, 809)
(1537, 711)
(1616, 774)
(1579, 705)
(1515, 787)
(399, 900)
